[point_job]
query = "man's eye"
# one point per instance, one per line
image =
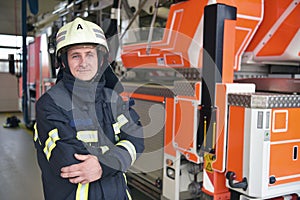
(75, 56)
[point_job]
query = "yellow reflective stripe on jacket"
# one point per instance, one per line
(121, 121)
(51, 142)
(36, 135)
(82, 192)
(127, 192)
(130, 148)
(125, 178)
(88, 136)
(116, 128)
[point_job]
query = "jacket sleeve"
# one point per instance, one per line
(129, 139)
(55, 136)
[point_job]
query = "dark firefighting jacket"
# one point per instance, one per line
(86, 118)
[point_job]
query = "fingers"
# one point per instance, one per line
(81, 157)
(75, 167)
(71, 168)
(74, 176)
(87, 171)
(70, 174)
(77, 180)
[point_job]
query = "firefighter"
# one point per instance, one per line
(86, 135)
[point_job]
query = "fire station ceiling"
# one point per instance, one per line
(11, 14)
(39, 17)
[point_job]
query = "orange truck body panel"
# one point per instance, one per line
(285, 142)
(256, 35)
(278, 23)
(180, 34)
(263, 147)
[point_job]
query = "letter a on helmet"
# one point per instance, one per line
(79, 31)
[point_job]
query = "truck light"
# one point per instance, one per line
(171, 172)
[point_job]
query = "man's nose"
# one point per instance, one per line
(83, 61)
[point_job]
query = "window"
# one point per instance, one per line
(10, 44)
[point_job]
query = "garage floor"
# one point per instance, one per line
(19, 172)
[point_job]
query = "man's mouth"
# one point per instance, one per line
(83, 70)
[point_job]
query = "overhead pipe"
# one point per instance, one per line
(148, 48)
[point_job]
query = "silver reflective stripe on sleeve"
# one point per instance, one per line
(82, 192)
(104, 149)
(88, 136)
(121, 121)
(51, 142)
(130, 148)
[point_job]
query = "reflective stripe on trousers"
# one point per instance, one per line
(82, 192)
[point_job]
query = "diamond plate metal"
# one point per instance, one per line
(264, 100)
(185, 88)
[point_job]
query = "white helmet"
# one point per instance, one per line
(80, 31)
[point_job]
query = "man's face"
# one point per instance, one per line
(83, 61)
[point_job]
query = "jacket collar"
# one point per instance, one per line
(85, 91)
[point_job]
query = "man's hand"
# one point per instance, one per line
(87, 171)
